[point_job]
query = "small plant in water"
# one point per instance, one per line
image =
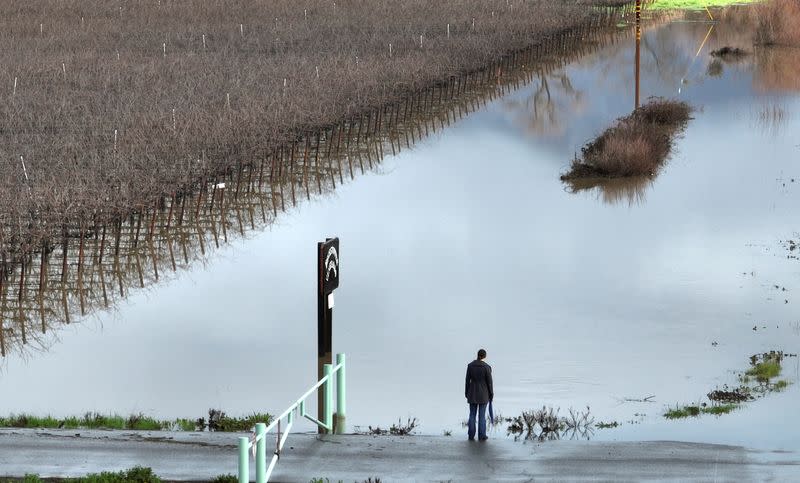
(763, 369)
(399, 429)
(546, 424)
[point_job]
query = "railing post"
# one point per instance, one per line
(261, 453)
(341, 395)
(328, 396)
(244, 460)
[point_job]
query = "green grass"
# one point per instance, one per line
(246, 423)
(229, 478)
(680, 412)
(146, 423)
(95, 421)
(183, 424)
(781, 385)
(28, 421)
(136, 474)
(764, 371)
(720, 409)
(138, 422)
(692, 4)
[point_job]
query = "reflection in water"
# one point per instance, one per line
(615, 190)
(553, 95)
(670, 52)
(96, 267)
(770, 118)
(777, 69)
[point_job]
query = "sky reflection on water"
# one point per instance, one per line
(470, 240)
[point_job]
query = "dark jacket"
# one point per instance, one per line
(478, 388)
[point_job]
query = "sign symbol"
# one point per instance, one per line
(331, 263)
(328, 265)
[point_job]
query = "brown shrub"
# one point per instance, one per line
(637, 145)
(627, 153)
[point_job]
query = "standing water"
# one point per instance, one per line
(627, 297)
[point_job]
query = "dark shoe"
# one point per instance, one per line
(484, 438)
(472, 438)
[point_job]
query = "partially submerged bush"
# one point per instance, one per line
(729, 53)
(636, 145)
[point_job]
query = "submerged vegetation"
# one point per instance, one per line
(217, 421)
(729, 53)
(137, 474)
(399, 429)
(637, 145)
(546, 424)
(680, 412)
(755, 382)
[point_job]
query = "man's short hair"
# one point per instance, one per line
(482, 354)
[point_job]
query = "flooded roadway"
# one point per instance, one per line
(663, 287)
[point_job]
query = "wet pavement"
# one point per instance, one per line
(196, 456)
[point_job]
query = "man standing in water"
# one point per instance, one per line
(479, 392)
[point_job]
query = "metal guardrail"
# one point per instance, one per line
(263, 471)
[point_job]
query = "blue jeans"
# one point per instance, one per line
(480, 409)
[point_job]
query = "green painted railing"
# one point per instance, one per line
(259, 441)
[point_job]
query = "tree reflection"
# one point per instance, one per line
(95, 266)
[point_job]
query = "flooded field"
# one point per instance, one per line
(460, 235)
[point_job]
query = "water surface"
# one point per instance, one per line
(662, 287)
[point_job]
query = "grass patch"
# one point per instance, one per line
(764, 371)
(227, 478)
(218, 421)
(137, 474)
(720, 409)
(763, 368)
(637, 145)
(182, 424)
(145, 423)
(680, 412)
(781, 385)
(28, 421)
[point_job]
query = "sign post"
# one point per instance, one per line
(327, 282)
